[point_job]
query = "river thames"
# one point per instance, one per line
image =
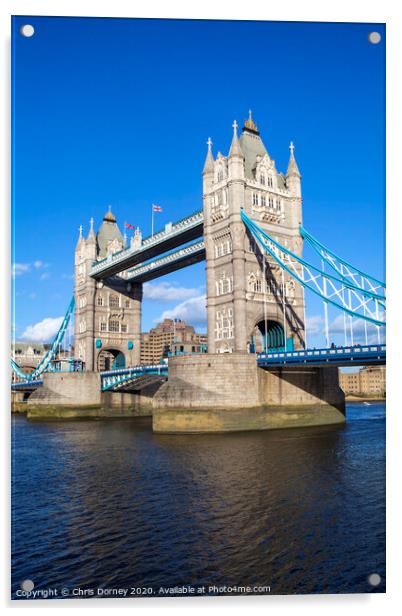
(111, 505)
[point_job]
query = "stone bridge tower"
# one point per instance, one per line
(107, 312)
(251, 303)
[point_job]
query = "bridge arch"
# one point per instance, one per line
(268, 335)
(110, 359)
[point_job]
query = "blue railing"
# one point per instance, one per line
(357, 354)
(111, 378)
(26, 385)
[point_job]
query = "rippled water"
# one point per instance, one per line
(110, 504)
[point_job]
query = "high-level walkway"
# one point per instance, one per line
(174, 235)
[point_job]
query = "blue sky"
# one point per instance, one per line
(117, 111)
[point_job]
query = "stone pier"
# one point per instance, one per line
(228, 392)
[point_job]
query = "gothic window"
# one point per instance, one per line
(278, 204)
(100, 301)
(127, 303)
(262, 179)
(114, 301)
(224, 324)
(123, 328)
(220, 175)
(271, 202)
(270, 182)
(224, 284)
(114, 326)
(263, 200)
(255, 198)
(103, 326)
(223, 246)
(251, 282)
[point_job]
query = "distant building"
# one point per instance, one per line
(368, 381)
(172, 336)
(27, 355)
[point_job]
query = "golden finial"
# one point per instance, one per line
(250, 124)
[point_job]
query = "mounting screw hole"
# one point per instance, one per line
(374, 579)
(27, 30)
(374, 37)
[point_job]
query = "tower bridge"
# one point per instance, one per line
(250, 234)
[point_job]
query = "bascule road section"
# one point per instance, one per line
(259, 371)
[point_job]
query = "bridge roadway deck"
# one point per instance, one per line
(370, 355)
(171, 237)
(358, 355)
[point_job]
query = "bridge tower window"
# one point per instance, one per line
(114, 301)
(127, 303)
(262, 179)
(100, 301)
(114, 326)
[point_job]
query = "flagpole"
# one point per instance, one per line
(152, 220)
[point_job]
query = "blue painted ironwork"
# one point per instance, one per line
(335, 356)
(361, 302)
(26, 385)
(50, 353)
(134, 255)
(346, 270)
(112, 378)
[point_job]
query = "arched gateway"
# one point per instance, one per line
(110, 359)
(268, 336)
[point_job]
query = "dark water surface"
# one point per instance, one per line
(110, 504)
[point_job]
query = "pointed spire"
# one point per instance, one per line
(209, 161)
(80, 236)
(91, 234)
(293, 169)
(235, 149)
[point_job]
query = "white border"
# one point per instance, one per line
(291, 10)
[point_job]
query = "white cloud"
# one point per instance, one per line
(43, 331)
(193, 311)
(166, 292)
(315, 324)
(18, 269)
(44, 276)
(337, 326)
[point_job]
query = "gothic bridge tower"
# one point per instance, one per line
(251, 302)
(107, 312)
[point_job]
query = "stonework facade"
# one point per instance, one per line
(367, 381)
(251, 304)
(107, 312)
(171, 337)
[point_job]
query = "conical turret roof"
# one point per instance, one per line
(235, 149)
(293, 169)
(209, 160)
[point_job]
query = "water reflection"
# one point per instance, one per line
(110, 503)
